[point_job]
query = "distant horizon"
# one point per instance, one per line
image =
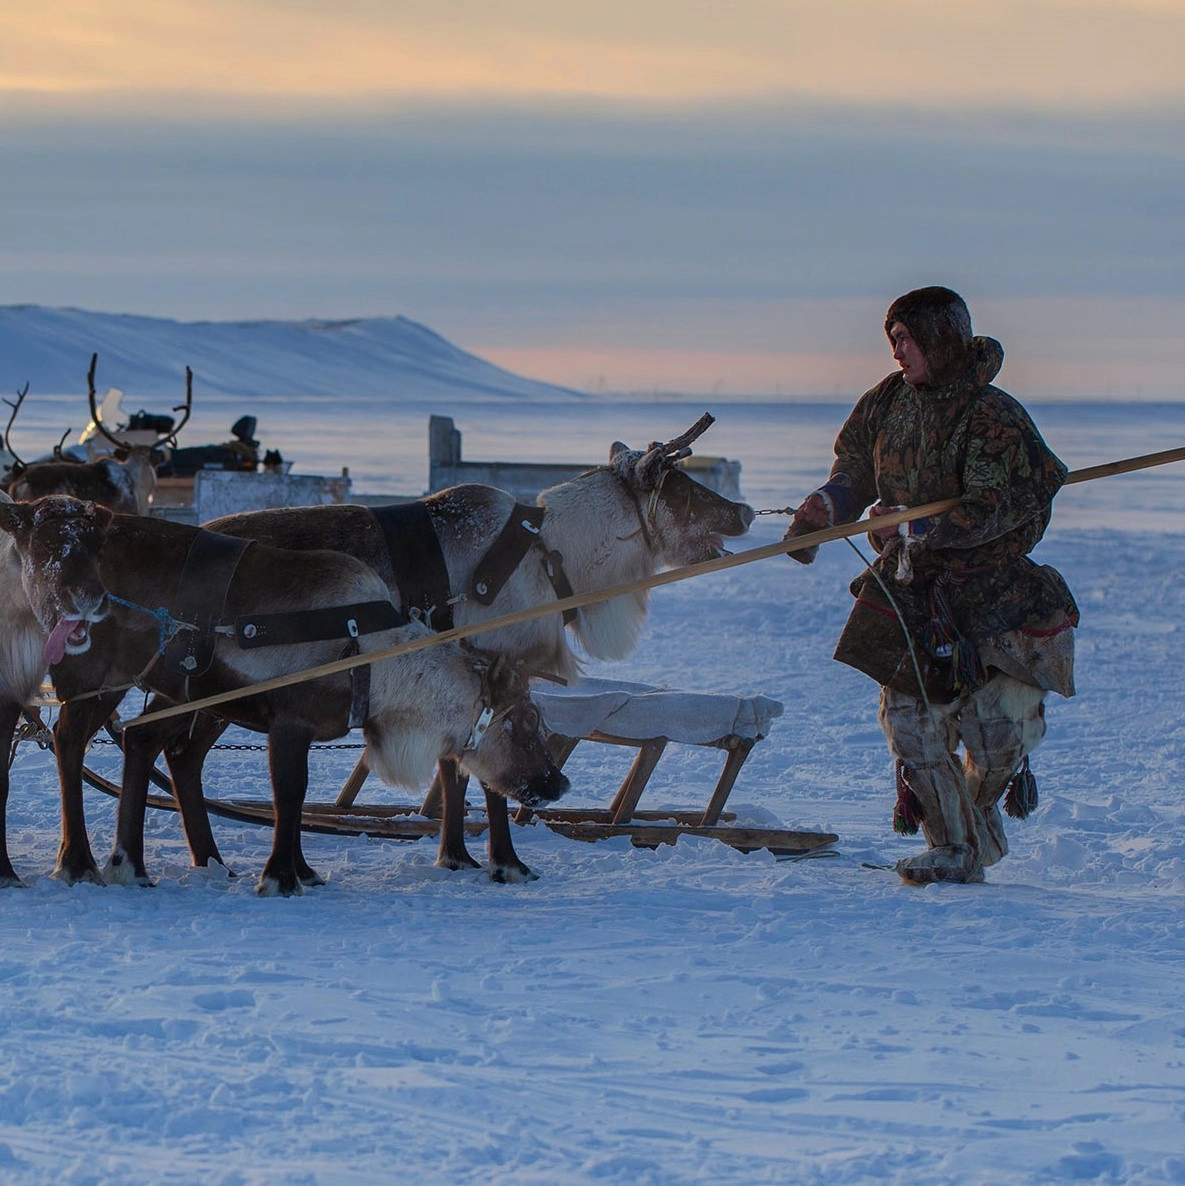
(600, 389)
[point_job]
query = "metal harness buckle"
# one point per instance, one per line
(483, 722)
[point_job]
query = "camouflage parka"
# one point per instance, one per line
(973, 593)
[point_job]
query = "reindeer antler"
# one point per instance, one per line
(186, 407)
(660, 455)
(684, 439)
(96, 419)
(17, 463)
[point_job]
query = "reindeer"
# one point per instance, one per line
(448, 701)
(124, 483)
(612, 525)
(25, 655)
(119, 485)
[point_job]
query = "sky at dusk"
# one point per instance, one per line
(690, 195)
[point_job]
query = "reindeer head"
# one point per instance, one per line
(58, 540)
(505, 750)
(682, 520)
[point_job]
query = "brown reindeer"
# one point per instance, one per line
(124, 483)
(446, 701)
(612, 525)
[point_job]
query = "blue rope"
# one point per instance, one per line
(169, 626)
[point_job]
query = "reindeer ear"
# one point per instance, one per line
(101, 515)
(501, 677)
(649, 467)
(14, 516)
(632, 467)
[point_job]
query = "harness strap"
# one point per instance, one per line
(417, 562)
(359, 688)
(553, 565)
(636, 503)
(316, 625)
(201, 597)
(520, 534)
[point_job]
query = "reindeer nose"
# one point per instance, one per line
(101, 608)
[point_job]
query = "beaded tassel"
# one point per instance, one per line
(907, 812)
(943, 640)
(1021, 798)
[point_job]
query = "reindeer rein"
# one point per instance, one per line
(169, 626)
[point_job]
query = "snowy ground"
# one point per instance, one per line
(692, 1014)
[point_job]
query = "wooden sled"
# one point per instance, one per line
(597, 711)
(587, 711)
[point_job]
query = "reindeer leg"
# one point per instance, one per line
(288, 744)
(432, 806)
(77, 723)
(453, 853)
(10, 713)
(185, 756)
(306, 874)
(141, 747)
(505, 866)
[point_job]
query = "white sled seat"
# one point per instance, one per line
(647, 718)
(640, 711)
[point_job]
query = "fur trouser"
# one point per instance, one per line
(998, 725)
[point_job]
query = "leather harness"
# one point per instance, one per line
(201, 599)
(507, 552)
(200, 605)
(417, 562)
(419, 570)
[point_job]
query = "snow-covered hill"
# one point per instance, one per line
(376, 357)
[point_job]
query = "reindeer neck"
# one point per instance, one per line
(594, 521)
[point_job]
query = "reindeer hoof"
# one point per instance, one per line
(121, 871)
(11, 881)
(75, 876)
(287, 886)
(310, 877)
(514, 874)
(456, 863)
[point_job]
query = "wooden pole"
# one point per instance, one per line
(559, 606)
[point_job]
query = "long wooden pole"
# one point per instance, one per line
(782, 548)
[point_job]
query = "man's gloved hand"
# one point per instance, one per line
(814, 514)
(905, 545)
(883, 534)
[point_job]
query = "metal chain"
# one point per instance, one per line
(254, 746)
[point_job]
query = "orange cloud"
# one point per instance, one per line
(1004, 52)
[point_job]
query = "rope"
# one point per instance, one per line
(169, 626)
(913, 655)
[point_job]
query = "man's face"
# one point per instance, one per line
(908, 354)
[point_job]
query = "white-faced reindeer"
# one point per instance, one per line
(26, 651)
(124, 482)
(615, 524)
(448, 701)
